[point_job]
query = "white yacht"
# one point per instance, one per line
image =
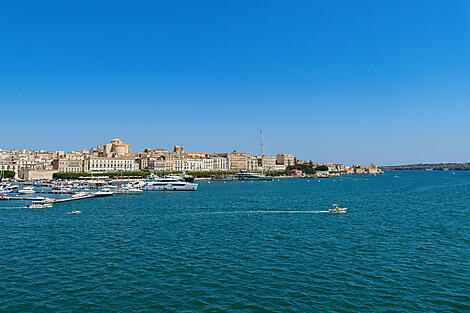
(4, 190)
(80, 195)
(138, 184)
(7, 188)
(128, 190)
(28, 189)
(169, 183)
(105, 192)
(61, 190)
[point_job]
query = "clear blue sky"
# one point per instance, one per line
(350, 81)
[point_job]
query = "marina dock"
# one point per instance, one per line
(47, 200)
(51, 201)
(22, 198)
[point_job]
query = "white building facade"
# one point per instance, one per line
(105, 164)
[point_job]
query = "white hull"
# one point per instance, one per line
(252, 176)
(169, 183)
(40, 206)
(61, 191)
(171, 187)
(129, 191)
(28, 191)
(103, 194)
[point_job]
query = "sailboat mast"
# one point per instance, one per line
(261, 148)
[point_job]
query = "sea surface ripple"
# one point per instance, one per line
(247, 247)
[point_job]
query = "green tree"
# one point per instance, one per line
(307, 169)
(7, 174)
(321, 168)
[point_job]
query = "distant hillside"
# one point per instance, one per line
(431, 166)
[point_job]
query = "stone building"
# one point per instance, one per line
(238, 160)
(285, 159)
(30, 174)
(221, 163)
(336, 168)
(115, 148)
(94, 164)
(63, 165)
(180, 160)
(199, 164)
(19, 161)
(364, 169)
(253, 163)
(159, 163)
(268, 163)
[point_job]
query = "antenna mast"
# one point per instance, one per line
(261, 140)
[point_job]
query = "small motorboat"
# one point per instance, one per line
(40, 205)
(337, 209)
(29, 190)
(74, 212)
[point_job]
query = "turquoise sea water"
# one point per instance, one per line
(404, 246)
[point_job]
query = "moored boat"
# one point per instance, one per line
(128, 190)
(80, 195)
(61, 190)
(222, 178)
(169, 183)
(7, 188)
(28, 190)
(188, 178)
(105, 192)
(252, 176)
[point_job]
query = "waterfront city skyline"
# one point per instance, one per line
(372, 81)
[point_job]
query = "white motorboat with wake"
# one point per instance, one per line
(337, 209)
(40, 205)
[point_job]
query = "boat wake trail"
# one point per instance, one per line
(264, 212)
